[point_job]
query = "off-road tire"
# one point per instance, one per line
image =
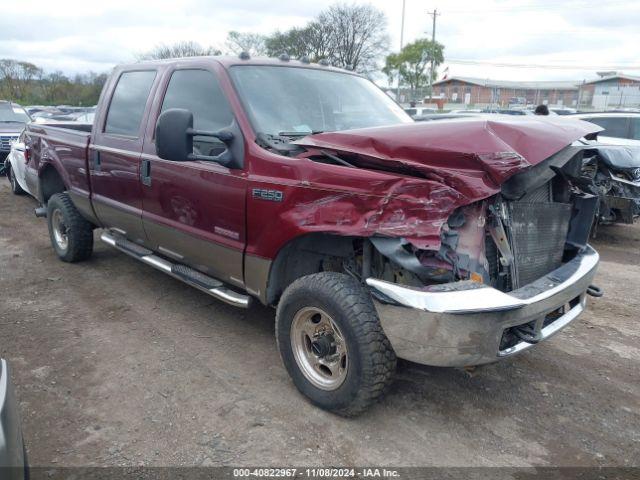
(15, 186)
(372, 361)
(78, 230)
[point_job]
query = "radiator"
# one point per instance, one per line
(537, 232)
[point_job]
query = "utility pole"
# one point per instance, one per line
(434, 14)
(401, 45)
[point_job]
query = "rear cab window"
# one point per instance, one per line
(199, 92)
(128, 103)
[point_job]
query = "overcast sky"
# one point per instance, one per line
(81, 35)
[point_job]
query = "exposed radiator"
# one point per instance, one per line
(538, 232)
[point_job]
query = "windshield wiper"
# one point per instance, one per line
(11, 121)
(298, 134)
(278, 143)
(337, 159)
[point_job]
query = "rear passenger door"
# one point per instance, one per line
(193, 211)
(114, 155)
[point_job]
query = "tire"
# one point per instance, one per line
(362, 360)
(15, 186)
(71, 234)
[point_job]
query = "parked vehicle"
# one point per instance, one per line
(446, 243)
(86, 117)
(13, 460)
(15, 166)
(619, 128)
(613, 174)
(12, 121)
(563, 110)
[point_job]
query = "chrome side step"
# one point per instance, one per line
(188, 275)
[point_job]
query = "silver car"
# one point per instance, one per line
(13, 462)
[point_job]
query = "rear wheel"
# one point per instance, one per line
(71, 234)
(332, 344)
(15, 186)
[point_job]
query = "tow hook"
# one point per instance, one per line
(595, 291)
(40, 212)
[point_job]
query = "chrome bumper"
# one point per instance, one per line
(461, 324)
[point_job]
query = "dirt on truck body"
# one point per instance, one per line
(454, 243)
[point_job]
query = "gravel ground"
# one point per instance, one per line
(116, 363)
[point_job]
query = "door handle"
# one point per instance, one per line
(96, 161)
(145, 172)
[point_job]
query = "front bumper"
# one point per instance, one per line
(463, 323)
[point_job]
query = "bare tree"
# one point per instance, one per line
(253, 43)
(359, 34)
(178, 50)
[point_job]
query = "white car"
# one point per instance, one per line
(619, 128)
(16, 168)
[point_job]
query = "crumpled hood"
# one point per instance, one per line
(444, 164)
(491, 148)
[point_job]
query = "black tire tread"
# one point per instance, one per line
(377, 374)
(79, 229)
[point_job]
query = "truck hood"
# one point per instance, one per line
(444, 165)
(11, 128)
(482, 150)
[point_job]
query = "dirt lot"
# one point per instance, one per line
(118, 364)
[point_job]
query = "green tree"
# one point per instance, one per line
(413, 63)
(348, 36)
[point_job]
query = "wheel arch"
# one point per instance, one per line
(50, 182)
(304, 255)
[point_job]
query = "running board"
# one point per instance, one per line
(188, 275)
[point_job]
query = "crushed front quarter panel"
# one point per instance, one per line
(441, 166)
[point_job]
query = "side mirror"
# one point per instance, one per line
(174, 138)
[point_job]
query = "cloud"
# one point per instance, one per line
(78, 35)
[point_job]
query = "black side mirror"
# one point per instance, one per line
(174, 138)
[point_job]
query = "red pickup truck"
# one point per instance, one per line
(449, 243)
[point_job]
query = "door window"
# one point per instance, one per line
(199, 92)
(613, 126)
(128, 103)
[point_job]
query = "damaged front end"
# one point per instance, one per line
(511, 270)
(499, 259)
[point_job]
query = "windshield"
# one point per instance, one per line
(290, 100)
(13, 113)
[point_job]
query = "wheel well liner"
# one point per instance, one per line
(303, 256)
(51, 182)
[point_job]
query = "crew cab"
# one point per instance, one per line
(305, 187)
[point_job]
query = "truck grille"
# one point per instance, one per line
(537, 231)
(5, 141)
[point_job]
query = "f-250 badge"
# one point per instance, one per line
(264, 194)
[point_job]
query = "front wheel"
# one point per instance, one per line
(71, 234)
(332, 344)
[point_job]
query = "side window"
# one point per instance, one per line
(128, 102)
(199, 92)
(613, 126)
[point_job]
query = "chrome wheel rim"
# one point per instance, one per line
(319, 348)
(59, 230)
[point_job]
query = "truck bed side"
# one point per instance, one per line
(61, 151)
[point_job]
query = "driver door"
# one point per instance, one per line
(194, 211)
